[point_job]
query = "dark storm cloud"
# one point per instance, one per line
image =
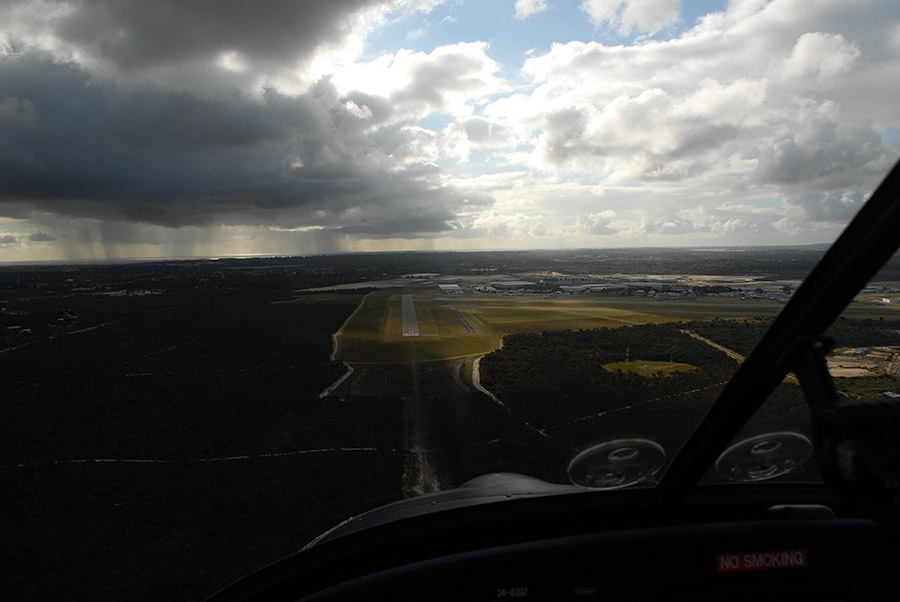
(41, 237)
(152, 118)
(141, 34)
(83, 147)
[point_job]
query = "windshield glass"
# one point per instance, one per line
(266, 267)
(863, 364)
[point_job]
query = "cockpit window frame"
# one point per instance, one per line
(864, 246)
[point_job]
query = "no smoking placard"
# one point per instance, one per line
(760, 561)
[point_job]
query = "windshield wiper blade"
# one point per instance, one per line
(866, 244)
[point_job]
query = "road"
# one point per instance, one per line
(418, 474)
(732, 354)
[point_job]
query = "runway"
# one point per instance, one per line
(410, 324)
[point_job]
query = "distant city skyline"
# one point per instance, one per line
(168, 129)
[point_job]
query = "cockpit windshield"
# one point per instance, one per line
(265, 267)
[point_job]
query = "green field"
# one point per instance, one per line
(648, 368)
(508, 317)
(372, 334)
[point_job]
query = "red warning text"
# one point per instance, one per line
(760, 561)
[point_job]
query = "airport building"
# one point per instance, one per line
(511, 284)
(559, 278)
(656, 279)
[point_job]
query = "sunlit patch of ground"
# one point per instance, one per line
(864, 361)
(373, 334)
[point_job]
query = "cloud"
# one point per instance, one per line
(8, 239)
(41, 237)
(647, 137)
(416, 33)
(747, 82)
(100, 121)
(201, 46)
(516, 226)
(596, 224)
(837, 206)
(172, 159)
(143, 34)
(821, 55)
(16, 112)
(469, 134)
(528, 8)
(817, 150)
(671, 226)
(170, 122)
(630, 15)
(409, 85)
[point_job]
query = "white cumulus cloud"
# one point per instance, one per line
(630, 15)
(821, 55)
(527, 8)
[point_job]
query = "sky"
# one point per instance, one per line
(163, 128)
